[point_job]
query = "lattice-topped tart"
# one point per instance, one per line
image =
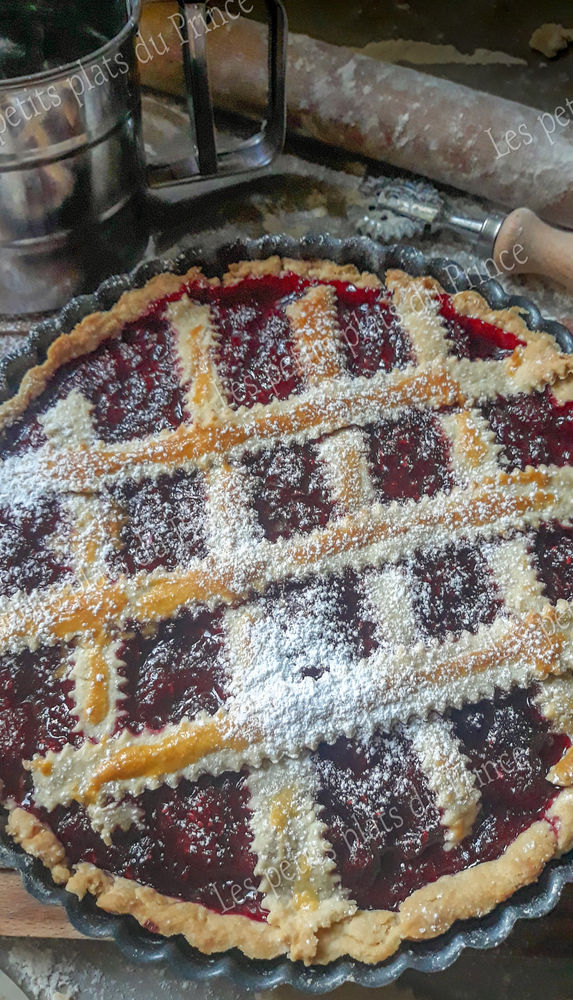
(286, 566)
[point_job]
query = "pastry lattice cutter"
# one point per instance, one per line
(517, 243)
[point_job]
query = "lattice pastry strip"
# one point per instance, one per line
(346, 468)
(383, 533)
(474, 451)
(69, 422)
(316, 334)
(532, 364)
(555, 702)
(95, 524)
(515, 575)
(275, 721)
(196, 340)
(389, 597)
(97, 684)
(417, 310)
(438, 751)
(295, 863)
(232, 533)
(448, 774)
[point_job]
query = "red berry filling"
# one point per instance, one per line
(290, 494)
(510, 748)
(36, 713)
(473, 338)
(381, 818)
(409, 457)
(192, 842)
(533, 430)
(174, 672)
(553, 549)
(26, 560)
(132, 382)
(379, 813)
(454, 590)
(254, 353)
(371, 335)
(24, 434)
(163, 521)
(315, 623)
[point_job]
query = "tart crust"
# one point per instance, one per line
(366, 935)
(369, 936)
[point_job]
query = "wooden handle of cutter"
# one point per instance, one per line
(526, 245)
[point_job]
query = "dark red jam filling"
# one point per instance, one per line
(473, 338)
(381, 818)
(132, 382)
(532, 429)
(254, 354)
(510, 748)
(372, 338)
(162, 521)
(172, 670)
(25, 434)
(379, 813)
(36, 713)
(290, 493)
(193, 842)
(315, 623)
(409, 457)
(454, 590)
(26, 560)
(553, 548)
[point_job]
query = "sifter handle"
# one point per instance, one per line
(257, 151)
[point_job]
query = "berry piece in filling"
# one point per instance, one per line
(254, 352)
(454, 590)
(308, 627)
(290, 494)
(533, 430)
(26, 560)
(36, 712)
(409, 457)
(553, 548)
(192, 842)
(175, 671)
(162, 521)
(473, 338)
(379, 813)
(371, 336)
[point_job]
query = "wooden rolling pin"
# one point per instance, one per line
(491, 147)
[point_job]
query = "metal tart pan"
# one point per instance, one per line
(137, 944)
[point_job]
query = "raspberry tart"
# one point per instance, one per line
(286, 578)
